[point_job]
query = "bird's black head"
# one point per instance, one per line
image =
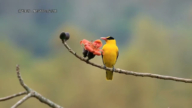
(107, 38)
(110, 38)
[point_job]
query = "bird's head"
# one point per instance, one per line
(107, 38)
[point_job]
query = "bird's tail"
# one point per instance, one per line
(109, 75)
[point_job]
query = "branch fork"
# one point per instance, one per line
(29, 93)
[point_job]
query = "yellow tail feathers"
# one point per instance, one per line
(109, 75)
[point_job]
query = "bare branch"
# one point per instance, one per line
(30, 93)
(129, 72)
(46, 101)
(13, 96)
(21, 80)
(22, 100)
(35, 94)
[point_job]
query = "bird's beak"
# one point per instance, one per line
(104, 38)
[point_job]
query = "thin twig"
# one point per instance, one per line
(22, 100)
(21, 80)
(129, 72)
(34, 93)
(13, 96)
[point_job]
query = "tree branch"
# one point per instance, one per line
(13, 96)
(21, 80)
(30, 93)
(22, 100)
(46, 101)
(121, 71)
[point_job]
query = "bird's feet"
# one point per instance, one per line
(113, 69)
(104, 67)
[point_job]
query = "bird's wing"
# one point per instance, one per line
(102, 55)
(117, 54)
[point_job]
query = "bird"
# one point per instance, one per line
(110, 53)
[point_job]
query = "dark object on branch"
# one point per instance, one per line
(88, 54)
(64, 36)
(85, 52)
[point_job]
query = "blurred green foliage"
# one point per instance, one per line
(33, 31)
(59, 76)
